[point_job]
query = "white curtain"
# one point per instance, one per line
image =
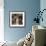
(1, 20)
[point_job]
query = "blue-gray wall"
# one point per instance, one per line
(30, 7)
(43, 6)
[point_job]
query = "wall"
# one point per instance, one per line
(29, 7)
(43, 6)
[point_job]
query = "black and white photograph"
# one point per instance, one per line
(17, 19)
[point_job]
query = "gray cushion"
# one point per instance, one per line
(20, 42)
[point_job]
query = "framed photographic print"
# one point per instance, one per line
(17, 19)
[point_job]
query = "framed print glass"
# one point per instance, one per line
(17, 19)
